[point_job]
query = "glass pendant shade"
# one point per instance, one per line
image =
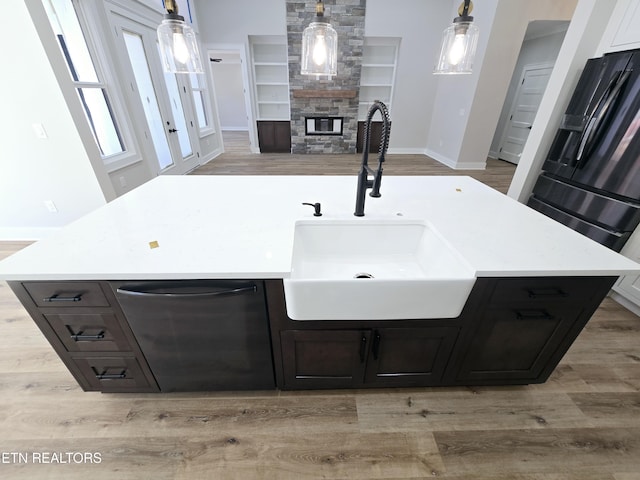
(319, 50)
(459, 42)
(178, 46)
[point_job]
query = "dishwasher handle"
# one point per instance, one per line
(230, 291)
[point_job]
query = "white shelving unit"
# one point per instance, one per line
(271, 77)
(379, 61)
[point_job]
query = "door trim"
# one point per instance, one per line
(525, 70)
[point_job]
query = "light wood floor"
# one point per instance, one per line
(583, 424)
(237, 160)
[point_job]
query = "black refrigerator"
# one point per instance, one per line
(591, 176)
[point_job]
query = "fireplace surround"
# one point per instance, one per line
(313, 97)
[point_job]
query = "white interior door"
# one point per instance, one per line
(164, 98)
(523, 111)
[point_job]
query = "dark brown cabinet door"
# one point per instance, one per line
(515, 343)
(375, 136)
(409, 356)
(324, 358)
(526, 326)
(274, 136)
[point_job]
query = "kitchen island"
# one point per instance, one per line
(537, 282)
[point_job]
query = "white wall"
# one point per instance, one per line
(232, 21)
(420, 26)
(31, 169)
(469, 106)
(455, 93)
(536, 51)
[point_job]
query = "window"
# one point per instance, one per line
(199, 91)
(91, 88)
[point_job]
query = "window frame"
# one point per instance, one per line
(209, 127)
(92, 32)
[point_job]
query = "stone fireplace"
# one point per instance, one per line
(330, 99)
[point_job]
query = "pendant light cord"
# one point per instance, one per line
(171, 6)
(464, 10)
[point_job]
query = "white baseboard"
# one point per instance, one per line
(406, 151)
(453, 164)
(471, 166)
(628, 304)
(13, 234)
(234, 129)
(211, 156)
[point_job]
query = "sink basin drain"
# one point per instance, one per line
(363, 275)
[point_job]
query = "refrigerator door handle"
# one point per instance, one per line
(583, 140)
(589, 124)
(595, 121)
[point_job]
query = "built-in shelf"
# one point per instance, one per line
(269, 59)
(377, 80)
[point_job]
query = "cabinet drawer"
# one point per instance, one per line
(66, 294)
(89, 332)
(112, 374)
(568, 290)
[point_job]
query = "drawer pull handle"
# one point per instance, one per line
(112, 376)
(363, 347)
(547, 293)
(376, 345)
(79, 337)
(533, 315)
(57, 298)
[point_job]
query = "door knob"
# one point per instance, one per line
(172, 130)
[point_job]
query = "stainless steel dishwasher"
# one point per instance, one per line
(200, 335)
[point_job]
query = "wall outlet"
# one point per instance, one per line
(49, 205)
(123, 182)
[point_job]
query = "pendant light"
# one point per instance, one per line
(178, 45)
(459, 41)
(319, 46)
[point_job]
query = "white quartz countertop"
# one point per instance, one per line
(179, 227)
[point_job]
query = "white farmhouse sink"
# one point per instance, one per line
(374, 270)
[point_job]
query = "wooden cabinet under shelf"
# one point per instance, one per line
(374, 138)
(84, 324)
(274, 136)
